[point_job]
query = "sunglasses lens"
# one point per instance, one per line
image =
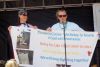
(64, 15)
(59, 15)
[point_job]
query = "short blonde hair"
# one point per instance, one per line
(11, 63)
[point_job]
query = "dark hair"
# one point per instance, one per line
(22, 12)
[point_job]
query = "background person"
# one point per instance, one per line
(11, 63)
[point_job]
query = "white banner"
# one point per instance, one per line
(39, 48)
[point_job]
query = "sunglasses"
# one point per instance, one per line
(24, 14)
(62, 15)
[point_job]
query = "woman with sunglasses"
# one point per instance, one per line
(64, 23)
(23, 17)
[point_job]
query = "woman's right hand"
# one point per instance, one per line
(9, 28)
